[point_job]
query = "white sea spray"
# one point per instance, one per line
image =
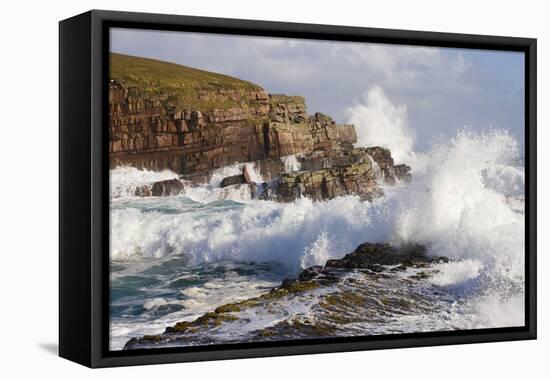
(465, 202)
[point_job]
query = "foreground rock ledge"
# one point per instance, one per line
(371, 259)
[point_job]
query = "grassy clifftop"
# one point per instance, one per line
(176, 83)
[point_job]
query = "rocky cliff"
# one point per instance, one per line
(167, 116)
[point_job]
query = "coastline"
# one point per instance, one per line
(221, 191)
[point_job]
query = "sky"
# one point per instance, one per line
(429, 92)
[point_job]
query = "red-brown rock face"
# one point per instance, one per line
(147, 133)
(193, 122)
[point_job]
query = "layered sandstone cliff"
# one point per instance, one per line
(167, 116)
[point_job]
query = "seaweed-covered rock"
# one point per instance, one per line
(346, 291)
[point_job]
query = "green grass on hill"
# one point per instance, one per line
(177, 84)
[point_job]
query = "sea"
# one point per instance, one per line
(176, 258)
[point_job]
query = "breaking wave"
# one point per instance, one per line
(125, 180)
(457, 204)
(465, 202)
(381, 123)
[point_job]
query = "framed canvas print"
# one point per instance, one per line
(233, 188)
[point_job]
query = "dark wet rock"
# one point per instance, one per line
(421, 276)
(310, 273)
(376, 268)
(167, 188)
(399, 268)
(160, 188)
(368, 255)
(232, 180)
(246, 177)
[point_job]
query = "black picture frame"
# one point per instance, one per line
(83, 182)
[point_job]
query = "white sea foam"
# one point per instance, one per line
(207, 193)
(193, 302)
(125, 180)
(495, 310)
(253, 231)
(482, 312)
(253, 172)
(318, 252)
(464, 202)
(212, 192)
(291, 163)
(219, 174)
(223, 286)
(377, 171)
(456, 272)
(235, 169)
(154, 303)
(448, 207)
(505, 179)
